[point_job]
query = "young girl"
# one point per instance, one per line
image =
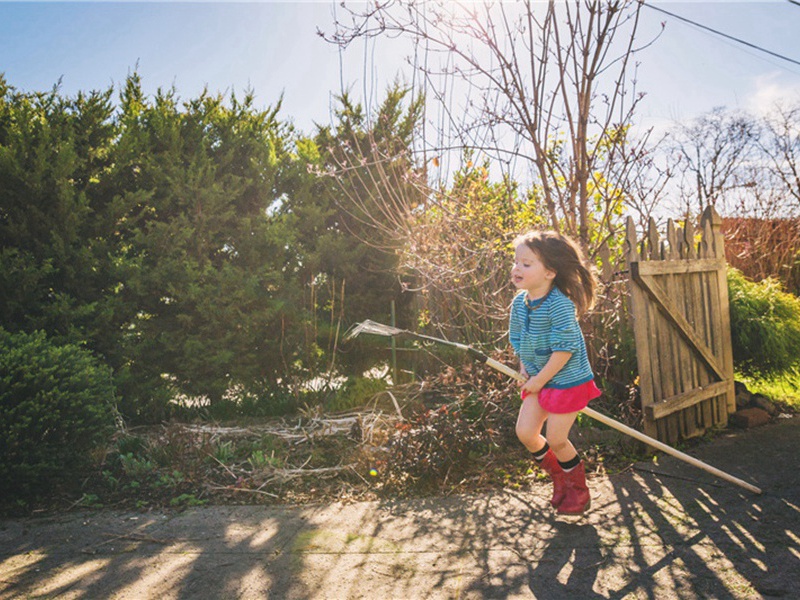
(555, 287)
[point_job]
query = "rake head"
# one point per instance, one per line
(373, 328)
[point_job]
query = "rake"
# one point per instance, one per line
(371, 327)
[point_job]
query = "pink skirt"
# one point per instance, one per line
(569, 400)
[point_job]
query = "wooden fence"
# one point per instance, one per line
(681, 324)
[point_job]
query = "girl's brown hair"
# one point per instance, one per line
(563, 256)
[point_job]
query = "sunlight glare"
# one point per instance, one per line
(82, 575)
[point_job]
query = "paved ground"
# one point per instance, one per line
(664, 530)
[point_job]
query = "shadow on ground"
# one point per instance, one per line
(661, 530)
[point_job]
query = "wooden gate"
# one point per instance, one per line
(681, 324)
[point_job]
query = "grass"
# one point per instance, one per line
(781, 388)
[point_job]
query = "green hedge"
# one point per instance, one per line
(55, 407)
(765, 326)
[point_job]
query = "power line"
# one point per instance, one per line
(725, 35)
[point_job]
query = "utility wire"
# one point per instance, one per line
(725, 35)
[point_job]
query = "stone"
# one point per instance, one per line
(749, 417)
(764, 403)
(743, 395)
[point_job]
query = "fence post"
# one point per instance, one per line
(717, 246)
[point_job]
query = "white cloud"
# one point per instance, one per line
(771, 90)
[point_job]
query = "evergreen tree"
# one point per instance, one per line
(206, 257)
(343, 214)
(55, 264)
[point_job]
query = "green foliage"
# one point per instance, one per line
(224, 451)
(56, 255)
(206, 262)
(341, 207)
(259, 399)
(783, 387)
(192, 244)
(187, 500)
(136, 467)
(55, 408)
(145, 232)
(356, 392)
(765, 326)
(259, 460)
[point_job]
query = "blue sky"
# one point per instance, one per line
(272, 47)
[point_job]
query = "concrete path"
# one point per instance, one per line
(660, 531)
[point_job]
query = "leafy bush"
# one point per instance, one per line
(54, 409)
(357, 391)
(765, 326)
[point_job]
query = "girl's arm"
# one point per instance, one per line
(515, 326)
(556, 362)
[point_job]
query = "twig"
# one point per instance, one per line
(224, 466)
(126, 536)
(359, 474)
(396, 405)
(136, 538)
(311, 471)
(234, 489)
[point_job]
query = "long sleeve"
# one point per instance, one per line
(516, 322)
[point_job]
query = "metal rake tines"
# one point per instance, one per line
(388, 331)
(374, 328)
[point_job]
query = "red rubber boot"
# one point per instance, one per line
(550, 465)
(577, 498)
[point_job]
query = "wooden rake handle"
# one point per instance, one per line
(634, 433)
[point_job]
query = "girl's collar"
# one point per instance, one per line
(533, 304)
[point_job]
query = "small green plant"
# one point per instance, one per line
(136, 467)
(110, 480)
(224, 452)
(90, 501)
(187, 500)
(130, 444)
(259, 460)
(170, 480)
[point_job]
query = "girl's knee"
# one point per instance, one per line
(522, 433)
(525, 435)
(528, 437)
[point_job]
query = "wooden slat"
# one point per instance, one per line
(661, 409)
(697, 265)
(638, 306)
(724, 309)
(671, 312)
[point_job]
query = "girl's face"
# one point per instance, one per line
(530, 274)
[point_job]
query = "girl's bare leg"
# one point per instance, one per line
(529, 423)
(558, 426)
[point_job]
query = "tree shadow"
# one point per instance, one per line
(718, 540)
(674, 533)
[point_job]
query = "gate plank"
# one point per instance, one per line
(669, 309)
(659, 410)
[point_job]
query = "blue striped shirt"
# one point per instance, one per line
(551, 326)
